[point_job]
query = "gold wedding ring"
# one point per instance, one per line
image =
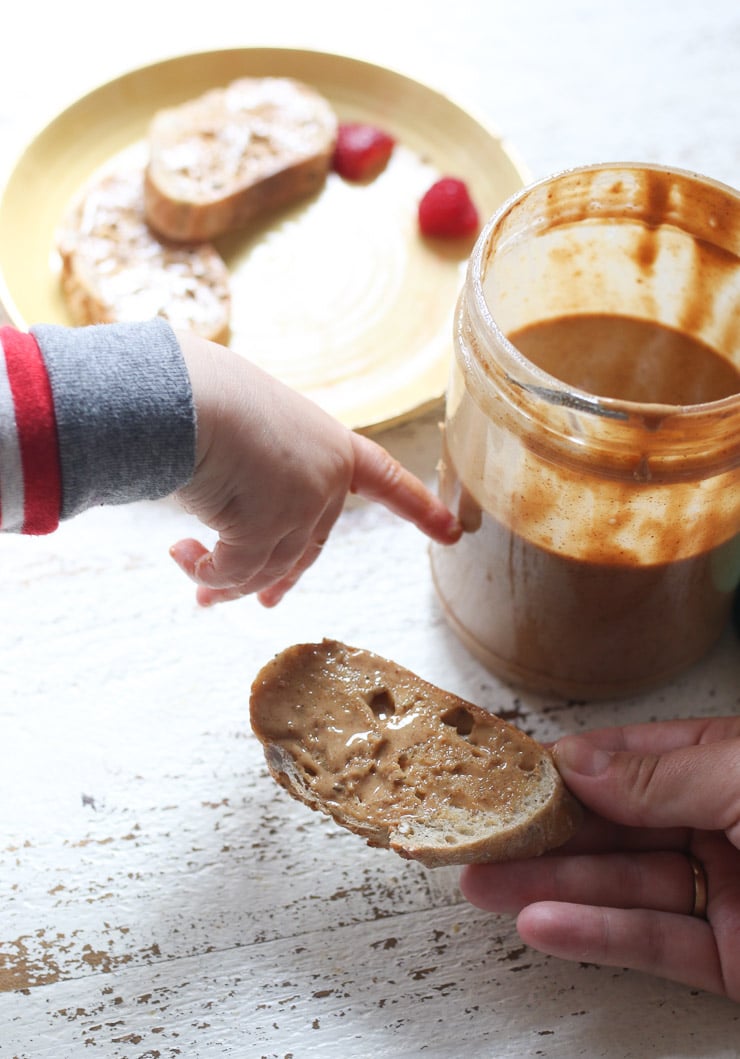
(699, 905)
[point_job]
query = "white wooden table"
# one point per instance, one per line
(160, 896)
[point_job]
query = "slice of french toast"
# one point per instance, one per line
(114, 268)
(235, 154)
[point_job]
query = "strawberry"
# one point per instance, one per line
(362, 151)
(447, 210)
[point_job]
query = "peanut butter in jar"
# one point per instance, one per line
(592, 432)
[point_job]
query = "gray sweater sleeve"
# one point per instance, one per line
(124, 411)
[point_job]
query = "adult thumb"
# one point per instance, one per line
(694, 786)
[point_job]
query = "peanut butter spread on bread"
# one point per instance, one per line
(381, 742)
(382, 751)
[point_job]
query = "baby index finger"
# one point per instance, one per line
(378, 476)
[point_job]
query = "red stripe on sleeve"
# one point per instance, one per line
(37, 431)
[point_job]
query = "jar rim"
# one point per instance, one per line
(537, 382)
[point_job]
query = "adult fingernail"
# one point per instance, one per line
(576, 754)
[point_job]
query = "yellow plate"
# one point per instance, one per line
(339, 297)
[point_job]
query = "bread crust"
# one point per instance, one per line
(114, 268)
(235, 154)
(409, 766)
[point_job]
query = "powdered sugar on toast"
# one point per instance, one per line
(114, 268)
(220, 160)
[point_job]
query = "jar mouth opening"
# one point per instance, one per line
(522, 373)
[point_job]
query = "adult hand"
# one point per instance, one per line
(272, 474)
(622, 891)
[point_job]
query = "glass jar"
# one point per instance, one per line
(602, 517)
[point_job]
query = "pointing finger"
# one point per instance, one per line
(378, 476)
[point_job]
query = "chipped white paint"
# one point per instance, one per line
(161, 897)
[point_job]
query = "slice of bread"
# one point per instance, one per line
(114, 268)
(234, 154)
(403, 763)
